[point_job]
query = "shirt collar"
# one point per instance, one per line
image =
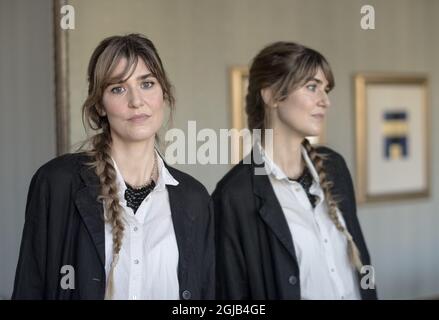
(271, 167)
(310, 165)
(164, 177)
(277, 173)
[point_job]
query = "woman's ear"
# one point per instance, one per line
(101, 111)
(267, 96)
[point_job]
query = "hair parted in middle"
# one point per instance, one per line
(103, 62)
(284, 67)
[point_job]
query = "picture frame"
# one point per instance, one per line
(238, 88)
(392, 136)
(62, 108)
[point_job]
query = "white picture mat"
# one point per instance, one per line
(402, 175)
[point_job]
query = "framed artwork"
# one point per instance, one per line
(392, 137)
(238, 88)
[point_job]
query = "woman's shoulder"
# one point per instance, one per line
(331, 156)
(236, 179)
(63, 167)
(186, 181)
(329, 152)
(334, 163)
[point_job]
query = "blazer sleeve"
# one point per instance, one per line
(31, 269)
(231, 277)
(208, 281)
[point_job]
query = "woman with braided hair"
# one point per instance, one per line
(117, 222)
(292, 232)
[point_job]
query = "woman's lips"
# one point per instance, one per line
(319, 116)
(138, 118)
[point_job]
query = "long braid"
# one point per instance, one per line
(317, 159)
(103, 165)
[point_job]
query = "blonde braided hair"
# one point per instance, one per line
(332, 203)
(103, 166)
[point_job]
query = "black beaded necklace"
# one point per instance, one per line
(135, 195)
(305, 180)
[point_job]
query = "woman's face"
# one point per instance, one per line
(304, 110)
(134, 108)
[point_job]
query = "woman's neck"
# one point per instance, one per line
(134, 160)
(286, 152)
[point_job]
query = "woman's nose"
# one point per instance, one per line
(135, 99)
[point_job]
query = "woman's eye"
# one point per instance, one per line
(117, 90)
(312, 87)
(147, 84)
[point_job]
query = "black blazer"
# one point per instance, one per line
(255, 253)
(64, 226)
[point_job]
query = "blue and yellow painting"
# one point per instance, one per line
(395, 134)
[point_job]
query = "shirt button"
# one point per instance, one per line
(136, 261)
(326, 240)
(135, 229)
(332, 270)
(292, 280)
(186, 294)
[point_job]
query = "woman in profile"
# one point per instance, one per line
(292, 232)
(116, 222)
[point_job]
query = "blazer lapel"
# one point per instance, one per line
(183, 224)
(270, 209)
(91, 210)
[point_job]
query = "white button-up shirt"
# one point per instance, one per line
(321, 249)
(148, 259)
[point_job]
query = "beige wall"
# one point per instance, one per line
(27, 118)
(200, 39)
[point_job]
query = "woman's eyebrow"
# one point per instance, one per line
(144, 76)
(117, 80)
(315, 79)
(319, 81)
